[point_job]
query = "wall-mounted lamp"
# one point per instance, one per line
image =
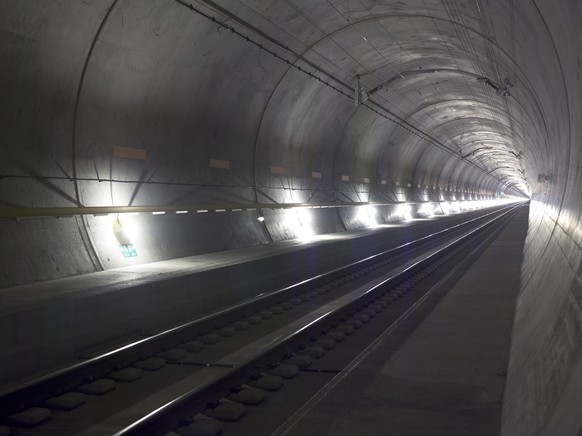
(120, 230)
(120, 233)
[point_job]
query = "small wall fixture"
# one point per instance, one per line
(121, 235)
(502, 89)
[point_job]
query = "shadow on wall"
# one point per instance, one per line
(60, 247)
(544, 386)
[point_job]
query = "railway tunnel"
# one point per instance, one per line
(141, 141)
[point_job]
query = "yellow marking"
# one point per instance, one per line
(277, 170)
(221, 164)
(129, 153)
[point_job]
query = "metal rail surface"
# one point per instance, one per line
(162, 417)
(35, 390)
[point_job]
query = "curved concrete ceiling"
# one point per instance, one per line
(169, 103)
(167, 78)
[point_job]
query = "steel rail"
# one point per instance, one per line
(39, 388)
(439, 287)
(163, 415)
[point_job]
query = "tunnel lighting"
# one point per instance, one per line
(467, 205)
(220, 210)
(124, 235)
(202, 211)
(126, 232)
(403, 212)
(236, 210)
(261, 218)
(181, 211)
(367, 216)
(449, 207)
(426, 210)
(158, 213)
(299, 222)
(121, 233)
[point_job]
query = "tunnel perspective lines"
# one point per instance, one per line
(400, 122)
(214, 125)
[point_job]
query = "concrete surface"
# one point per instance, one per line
(80, 79)
(46, 324)
(448, 375)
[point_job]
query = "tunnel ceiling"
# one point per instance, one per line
(429, 68)
(180, 104)
(451, 99)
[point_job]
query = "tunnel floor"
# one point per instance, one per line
(46, 324)
(443, 374)
(442, 371)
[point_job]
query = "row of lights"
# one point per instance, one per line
(261, 218)
(178, 212)
(299, 219)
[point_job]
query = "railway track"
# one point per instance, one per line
(263, 358)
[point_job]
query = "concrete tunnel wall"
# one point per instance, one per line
(79, 78)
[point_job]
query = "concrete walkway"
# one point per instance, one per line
(448, 376)
(48, 324)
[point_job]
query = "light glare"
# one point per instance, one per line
(426, 210)
(367, 216)
(403, 212)
(299, 221)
